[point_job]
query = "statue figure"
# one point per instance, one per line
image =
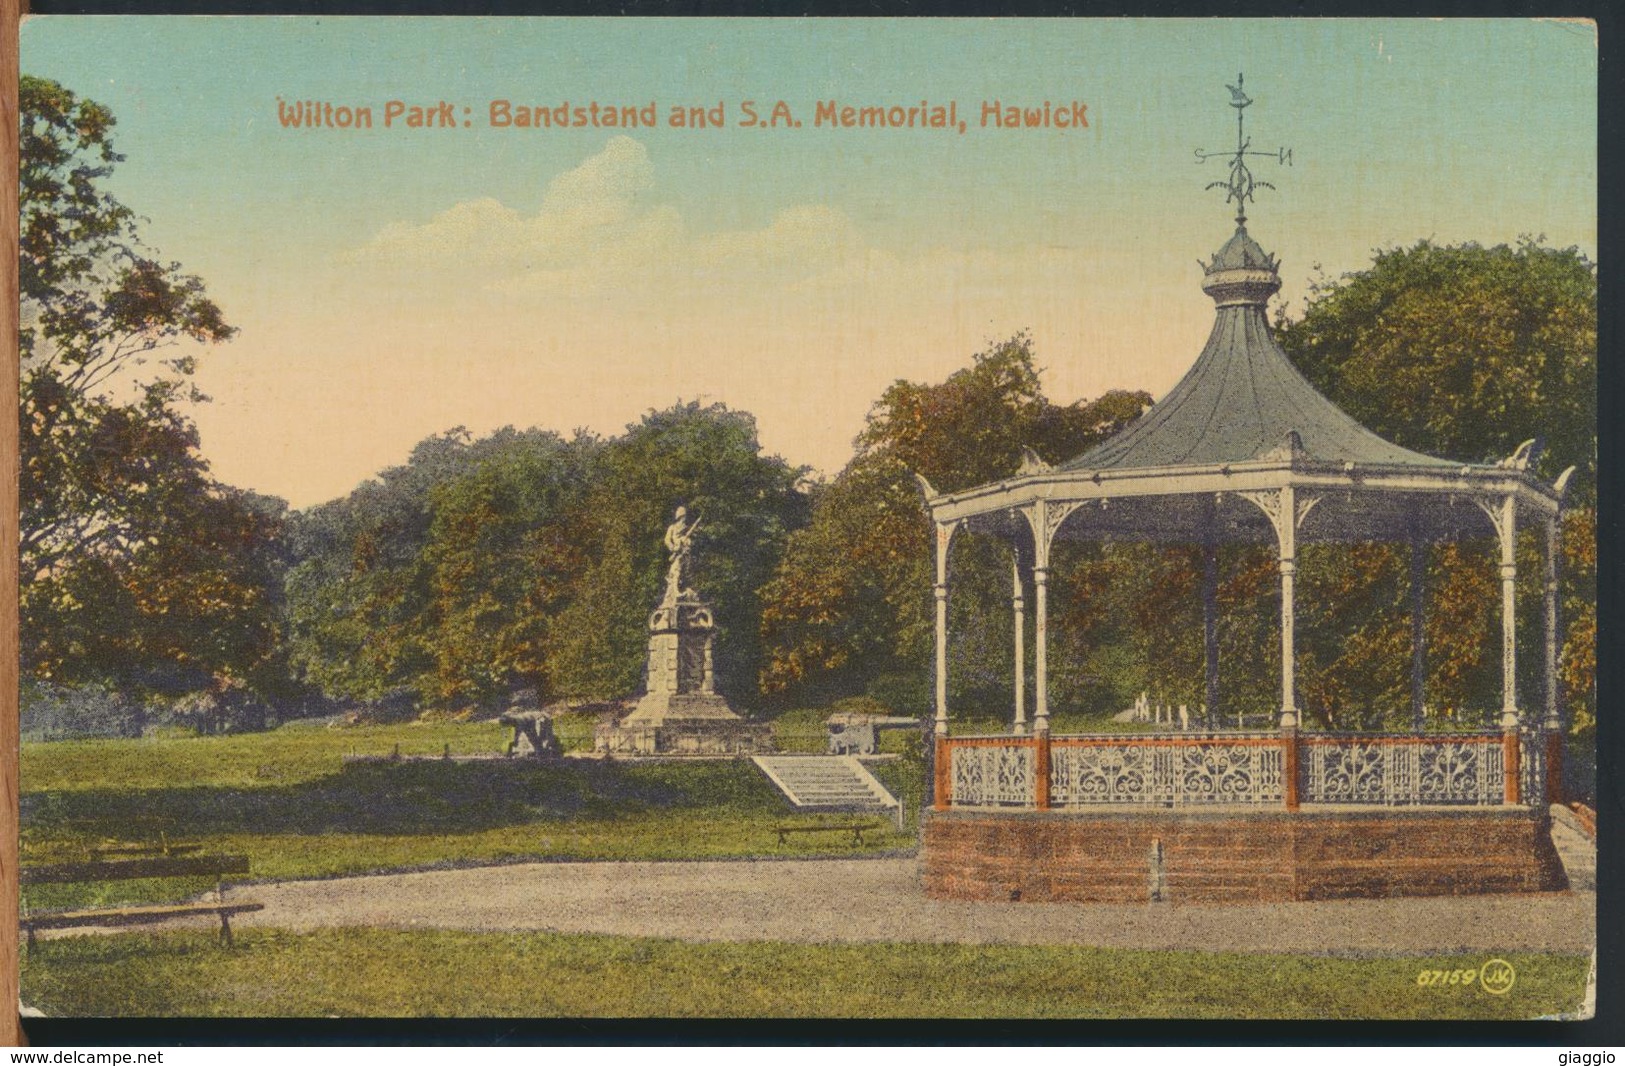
(679, 542)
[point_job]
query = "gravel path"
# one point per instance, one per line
(880, 899)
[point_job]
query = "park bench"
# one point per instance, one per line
(855, 828)
(150, 862)
(163, 847)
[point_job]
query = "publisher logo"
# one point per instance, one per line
(1496, 977)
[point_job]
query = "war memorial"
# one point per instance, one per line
(681, 711)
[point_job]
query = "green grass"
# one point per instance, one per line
(287, 800)
(360, 972)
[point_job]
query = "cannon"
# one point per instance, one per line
(859, 734)
(533, 735)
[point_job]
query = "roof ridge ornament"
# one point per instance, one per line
(1240, 184)
(1525, 455)
(1032, 463)
(1289, 450)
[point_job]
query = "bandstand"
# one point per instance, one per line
(1245, 450)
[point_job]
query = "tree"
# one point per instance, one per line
(499, 563)
(1464, 352)
(523, 560)
(391, 587)
(849, 608)
(1461, 351)
(705, 458)
(134, 565)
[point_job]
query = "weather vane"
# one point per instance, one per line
(1241, 183)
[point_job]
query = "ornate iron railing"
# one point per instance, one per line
(1241, 769)
(995, 775)
(1245, 770)
(1404, 770)
(1532, 768)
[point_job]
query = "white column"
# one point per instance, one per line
(1041, 618)
(1507, 527)
(1554, 548)
(945, 534)
(1287, 531)
(1419, 645)
(1041, 650)
(1018, 618)
(1210, 630)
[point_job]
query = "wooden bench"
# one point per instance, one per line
(163, 847)
(147, 865)
(855, 828)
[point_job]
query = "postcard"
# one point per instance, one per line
(808, 518)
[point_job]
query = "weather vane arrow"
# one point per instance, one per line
(1240, 184)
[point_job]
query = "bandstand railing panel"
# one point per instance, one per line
(993, 774)
(1532, 768)
(1242, 770)
(1404, 770)
(1086, 771)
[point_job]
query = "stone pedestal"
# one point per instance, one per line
(681, 712)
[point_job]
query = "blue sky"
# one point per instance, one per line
(391, 284)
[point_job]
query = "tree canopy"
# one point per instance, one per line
(525, 560)
(1461, 351)
(135, 567)
(848, 609)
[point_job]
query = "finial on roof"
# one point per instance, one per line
(1240, 184)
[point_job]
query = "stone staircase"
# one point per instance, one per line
(1576, 846)
(830, 782)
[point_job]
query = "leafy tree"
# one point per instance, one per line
(499, 563)
(134, 565)
(850, 602)
(970, 429)
(850, 606)
(525, 560)
(708, 459)
(94, 307)
(419, 580)
(1460, 351)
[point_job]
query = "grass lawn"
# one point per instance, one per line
(373, 973)
(287, 800)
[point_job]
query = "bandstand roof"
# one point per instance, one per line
(1243, 395)
(1243, 423)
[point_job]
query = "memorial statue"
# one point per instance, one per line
(680, 711)
(679, 542)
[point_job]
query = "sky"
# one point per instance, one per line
(393, 283)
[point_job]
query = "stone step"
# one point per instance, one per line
(825, 781)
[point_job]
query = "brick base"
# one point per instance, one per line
(1224, 857)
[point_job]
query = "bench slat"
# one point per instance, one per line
(133, 915)
(130, 869)
(103, 851)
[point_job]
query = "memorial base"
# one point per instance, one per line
(685, 736)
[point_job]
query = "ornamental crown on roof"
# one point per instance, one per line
(1243, 399)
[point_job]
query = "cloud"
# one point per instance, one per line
(586, 211)
(596, 229)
